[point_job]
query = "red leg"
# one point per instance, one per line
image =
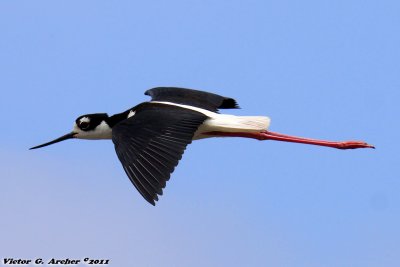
(267, 135)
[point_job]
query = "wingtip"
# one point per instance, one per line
(152, 200)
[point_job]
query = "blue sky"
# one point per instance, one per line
(323, 69)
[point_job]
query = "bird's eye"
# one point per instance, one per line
(84, 125)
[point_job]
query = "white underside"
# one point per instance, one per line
(225, 122)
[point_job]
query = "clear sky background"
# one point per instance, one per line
(324, 69)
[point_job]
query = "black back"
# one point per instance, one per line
(191, 97)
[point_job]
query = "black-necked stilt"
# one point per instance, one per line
(151, 137)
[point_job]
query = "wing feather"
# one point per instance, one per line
(151, 143)
(191, 97)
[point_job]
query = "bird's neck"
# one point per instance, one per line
(114, 119)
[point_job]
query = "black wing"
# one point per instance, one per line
(191, 97)
(151, 143)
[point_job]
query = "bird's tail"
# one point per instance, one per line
(249, 123)
(231, 123)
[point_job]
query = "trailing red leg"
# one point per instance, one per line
(267, 135)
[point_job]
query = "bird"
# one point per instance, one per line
(151, 137)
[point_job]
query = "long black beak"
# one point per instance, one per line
(62, 138)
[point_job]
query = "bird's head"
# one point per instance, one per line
(89, 126)
(92, 126)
